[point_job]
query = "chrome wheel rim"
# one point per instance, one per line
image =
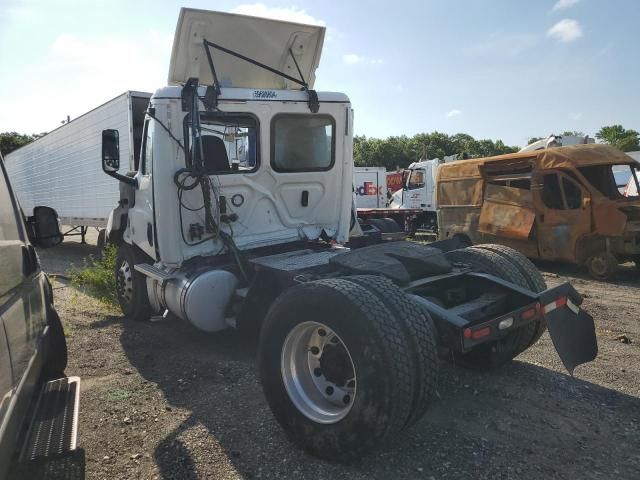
(124, 282)
(318, 372)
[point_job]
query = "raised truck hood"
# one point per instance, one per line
(263, 40)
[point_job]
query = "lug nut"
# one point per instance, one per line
(315, 350)
(329, 390)
(346, 399)
(322, 332)
(317, 372)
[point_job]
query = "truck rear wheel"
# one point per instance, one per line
(532, 275)
(131, 286)
(494, 354)
(335, 368)
(420, 332)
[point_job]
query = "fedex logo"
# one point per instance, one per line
(368, 188)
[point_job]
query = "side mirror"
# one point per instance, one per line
(44, 229)
(111, 157)
(110, 151)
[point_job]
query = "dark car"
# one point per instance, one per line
(38, 403)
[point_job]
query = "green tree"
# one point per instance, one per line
(9, 141)
(620, 137)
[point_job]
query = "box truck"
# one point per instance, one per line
(61, 170)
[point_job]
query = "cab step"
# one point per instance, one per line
(54, 428)
(152, 272)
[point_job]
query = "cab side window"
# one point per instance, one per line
(416, 180)
(572, 194)
(560, 193)
(551, 193)
(8, 221)
(147, 155)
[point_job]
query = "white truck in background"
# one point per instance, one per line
(62, 169)
(418, 192)
(557, 141)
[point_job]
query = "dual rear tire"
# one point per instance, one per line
(510, 265)
(346, 364)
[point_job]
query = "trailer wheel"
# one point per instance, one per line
(532, 275)
(419, 330)
(335, 368)
(494, 354)
(603, 266)
(131, 286)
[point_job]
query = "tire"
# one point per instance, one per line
(603, 266)
(391, 225)
(421, 333)
(378, 355)
(131, 286)
(532, 275)
(497, 353)
(379, 224)
(55, 357)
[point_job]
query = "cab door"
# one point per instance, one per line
(141, 221)
(415, 194)
(563, 215)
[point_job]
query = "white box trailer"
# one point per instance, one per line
(62, 170)
(370, 184)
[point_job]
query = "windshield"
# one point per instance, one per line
(611, 180)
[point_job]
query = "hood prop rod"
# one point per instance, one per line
(314, 104)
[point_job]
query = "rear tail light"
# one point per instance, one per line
(476, 334)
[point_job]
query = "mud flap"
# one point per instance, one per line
(572, 330)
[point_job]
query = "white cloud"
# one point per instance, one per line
(575, 115)
(454, 113)
(354, 58)
(351, 58)
(566, 30)
(79, 73)
(289, 14)
(563, 5)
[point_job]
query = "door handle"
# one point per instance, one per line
(304, 200)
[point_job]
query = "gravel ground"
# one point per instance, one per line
(161, 400)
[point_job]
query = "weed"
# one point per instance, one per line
(96, 277)
(119, 395)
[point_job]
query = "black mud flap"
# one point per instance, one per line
(572, 330)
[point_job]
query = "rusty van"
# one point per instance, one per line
(560, 204)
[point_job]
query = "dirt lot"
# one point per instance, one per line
(161, 400)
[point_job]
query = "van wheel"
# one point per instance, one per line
(336, 368)
(602, 266)
(131, 286)
(497, 353)
(55, 358)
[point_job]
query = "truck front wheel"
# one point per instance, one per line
(131, 286)
(336, 368)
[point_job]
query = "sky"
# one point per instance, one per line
(498, 69)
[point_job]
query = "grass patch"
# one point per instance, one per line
(96, 277)
(119, 395)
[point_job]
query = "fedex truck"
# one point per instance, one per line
(370, 187)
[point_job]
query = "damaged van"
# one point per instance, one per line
(560, 204)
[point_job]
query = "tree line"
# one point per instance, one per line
(399, 152)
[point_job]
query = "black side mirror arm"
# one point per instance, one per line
(123, 178)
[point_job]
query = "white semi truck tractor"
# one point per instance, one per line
(239, 216)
